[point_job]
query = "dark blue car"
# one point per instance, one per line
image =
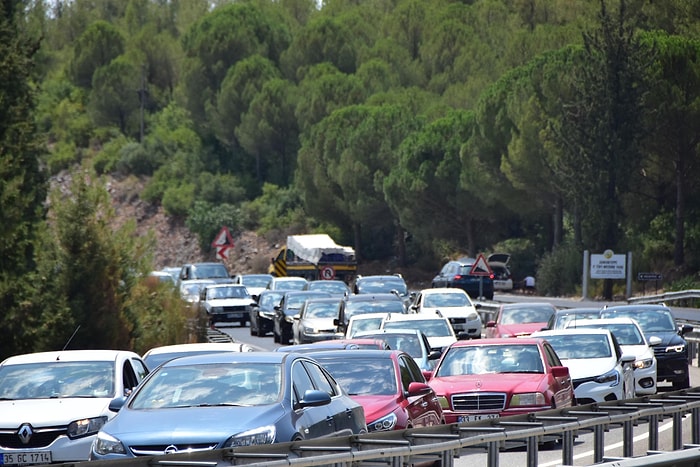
(456, 273)
(224, 400)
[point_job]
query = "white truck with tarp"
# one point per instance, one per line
(314, 257)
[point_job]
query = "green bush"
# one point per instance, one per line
(178, 199)
(63, 156)
(106, 160)
(559, 272)
(206, 219)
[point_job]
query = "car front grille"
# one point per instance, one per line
(41, 437)
(479, 401)
(454, 321)
(231, 308)
(160, 449)
(578, 382)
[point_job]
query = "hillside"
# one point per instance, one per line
(176, 245)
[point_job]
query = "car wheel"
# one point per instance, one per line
(275, 336)
(253, 331)
(285, 336)
(243, 322)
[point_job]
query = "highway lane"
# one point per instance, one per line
(583, 446)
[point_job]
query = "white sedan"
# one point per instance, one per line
(52, 404)
(598, 368)
(454, 304)
(632, 341)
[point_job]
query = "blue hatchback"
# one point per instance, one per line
(224, 400)
(456, 273)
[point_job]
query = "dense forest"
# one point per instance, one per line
(411, 129)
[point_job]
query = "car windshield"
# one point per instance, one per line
(290, 285)
(329, 286)
(294, 302)
(383, 286)
(363, 376)
(269, 300)
(430, 327)
(626, 334)
(49, 380)
(362, 325)
(321, 310)
(482, 359)
(207, 271)
(523, 314)
(563, 320)
(246, 384)
(580, 346)
(217, 293)
(434, 300)
(387, 306)
(255, 281)
(408, 343)
(650, 321)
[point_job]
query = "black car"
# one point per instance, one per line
(368, 303)
(456, 273)
(262, 314)
(214, 271)
(288, 307)
(672, 353)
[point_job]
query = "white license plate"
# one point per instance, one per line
(477, 417)
(234, 315)
(26, 458)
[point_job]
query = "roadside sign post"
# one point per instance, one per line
(482, 269)
(223, 242)
(645, 277)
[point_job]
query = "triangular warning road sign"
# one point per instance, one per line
(480, 267)
(223, 238)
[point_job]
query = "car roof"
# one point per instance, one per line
(288, 278)
(508, 341)
(226, 285)
(229, 357)
(199, 346)
(69, 356)
(335, 299)
(443, 290)
(570, 331)
(603, 321)
(636, 308)
(358, 353)
(414, 317)
(370, 297)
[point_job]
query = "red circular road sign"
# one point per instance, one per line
(327, 273)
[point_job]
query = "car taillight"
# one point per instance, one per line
(457, 277)
(492, 276)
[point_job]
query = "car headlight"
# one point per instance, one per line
(262, 435)
(386, 423)
(308, 330)
(444, 402)
(675, 348)
(106, 444)
(472, 316)
(646, 363)
(612, 377)
(85, 427)
(527, 398)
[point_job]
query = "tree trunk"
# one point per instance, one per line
(558, 224)
(401, 245)
(678, 249)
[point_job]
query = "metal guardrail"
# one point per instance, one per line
(667, 297)
(443, 443)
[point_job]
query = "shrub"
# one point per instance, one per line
(559, 272)
(177, 200)
(206, 219)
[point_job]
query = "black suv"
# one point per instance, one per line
(456, 273)
(672, 352)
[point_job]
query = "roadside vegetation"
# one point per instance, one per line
(412, 130)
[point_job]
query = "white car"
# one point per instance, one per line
(632, 341)
(598, 368)
(364, 322)
(255, 283)
(52, 404)
(226, 303)
(158, 355)
(455, 305)
(287, 283)
(435, 327)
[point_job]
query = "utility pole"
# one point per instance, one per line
(142, 99)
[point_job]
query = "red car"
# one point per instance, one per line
(519, 319)
(389, 386)
(494, 378)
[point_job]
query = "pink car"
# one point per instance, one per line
(519, 319)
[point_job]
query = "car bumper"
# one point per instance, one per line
(589, 392)
(316, 337)
(63, 449)
(472, 328)
(454, 417)
(672, 369)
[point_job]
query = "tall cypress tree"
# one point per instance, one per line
(22, 185)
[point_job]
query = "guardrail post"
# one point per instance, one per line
(695, 425)
(598, 444)
(567, 448)
(493, 453)
(677, 431)
(627, 439)
(532, 451)
(653, 432)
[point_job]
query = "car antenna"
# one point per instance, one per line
(70, 339)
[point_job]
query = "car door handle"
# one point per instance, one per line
(329, 420)
(424, 404)
(348, 412)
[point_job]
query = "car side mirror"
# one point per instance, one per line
(477, 306)
(116, 404)
(416, 388)
(434, 355)
(315, 398)
(686, 328)
(491, 324)
(560, 371)
(654, 340)
(462, 335)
